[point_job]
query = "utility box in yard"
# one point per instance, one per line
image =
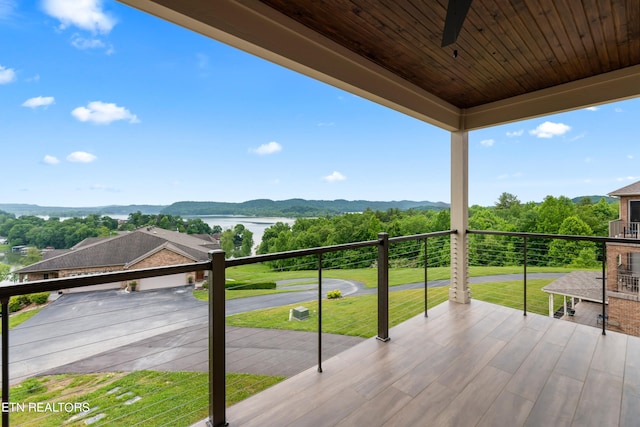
(300, 313)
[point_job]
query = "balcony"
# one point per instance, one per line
(409, 358)
(625, 230)
(476, 364)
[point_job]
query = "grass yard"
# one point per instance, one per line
(147, 398)
(369, 276)
(357, 315)
(203, 294)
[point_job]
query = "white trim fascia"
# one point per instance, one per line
(604, 88)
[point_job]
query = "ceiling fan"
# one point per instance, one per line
(456, 13)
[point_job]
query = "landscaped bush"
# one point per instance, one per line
(15, 304)
(39, 298)
(238, 285)
(334, 294)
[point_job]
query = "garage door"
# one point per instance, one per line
(163, 282)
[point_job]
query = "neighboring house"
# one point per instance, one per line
(142, 248)
(3, 240)
(623, 262)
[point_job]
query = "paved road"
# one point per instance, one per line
(111, 327)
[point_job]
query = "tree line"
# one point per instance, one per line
(555, 215)
(57, 233)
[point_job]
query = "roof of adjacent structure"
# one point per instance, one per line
(629, 190)
(586, 285)
(511, 60)
(124, 249)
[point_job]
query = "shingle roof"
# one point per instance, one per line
(123, 249)
(629, 190)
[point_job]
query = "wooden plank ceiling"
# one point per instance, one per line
(505, 48)
(515, 59)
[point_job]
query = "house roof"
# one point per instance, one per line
(629, 190)
(586, 285)
(124, 250)
(511, 60)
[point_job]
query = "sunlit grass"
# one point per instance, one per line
(161, 398)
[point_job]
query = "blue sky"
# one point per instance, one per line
(101, 104)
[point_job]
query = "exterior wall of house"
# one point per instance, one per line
(624, 312)
(160, 258)
(624, 207)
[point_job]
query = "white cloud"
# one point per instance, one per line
(82, 43)
(269, 148)
(50, 160)
(487, 142)
(103, 113)
(81, 157)
(628, 178)
(325, 124)
(85, 14)
(39, 101)
(7, 75)
(629, 156)
(334, 177)
(35, 78)
(550, 129)
(618, 110)
(515, 133)
(592, 108)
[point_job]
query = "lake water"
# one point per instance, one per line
(256, 225)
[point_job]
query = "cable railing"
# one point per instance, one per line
(382, 283)
(70, 343)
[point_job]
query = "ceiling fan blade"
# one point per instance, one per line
(456, 13)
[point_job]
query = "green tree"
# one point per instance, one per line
(566, 252)
(5, 272)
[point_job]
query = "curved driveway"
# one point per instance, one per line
(78, 330)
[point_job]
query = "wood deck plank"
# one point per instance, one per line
(476, 364)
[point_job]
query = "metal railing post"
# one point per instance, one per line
(320, 312)
(426, 262)
(604, 289)
(5, 361)
(525, 276)
(383, 287)
(217, 383)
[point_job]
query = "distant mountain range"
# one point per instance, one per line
(26, 209)
(261, 207)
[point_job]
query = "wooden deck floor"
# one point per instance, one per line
(477, 364)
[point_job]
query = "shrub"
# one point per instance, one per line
(15, 303)
(39, 298)
(240, 286)
(334, 294)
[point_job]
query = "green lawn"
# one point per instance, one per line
(166, 398)
(369, 276)
(357, 315)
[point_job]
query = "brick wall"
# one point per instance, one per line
(625, 313)
(161, 258)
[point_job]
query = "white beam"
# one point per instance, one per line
(459, 290)
(609, 87)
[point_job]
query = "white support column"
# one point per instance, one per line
(459, 290)
(564, 305)
(550, 305)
